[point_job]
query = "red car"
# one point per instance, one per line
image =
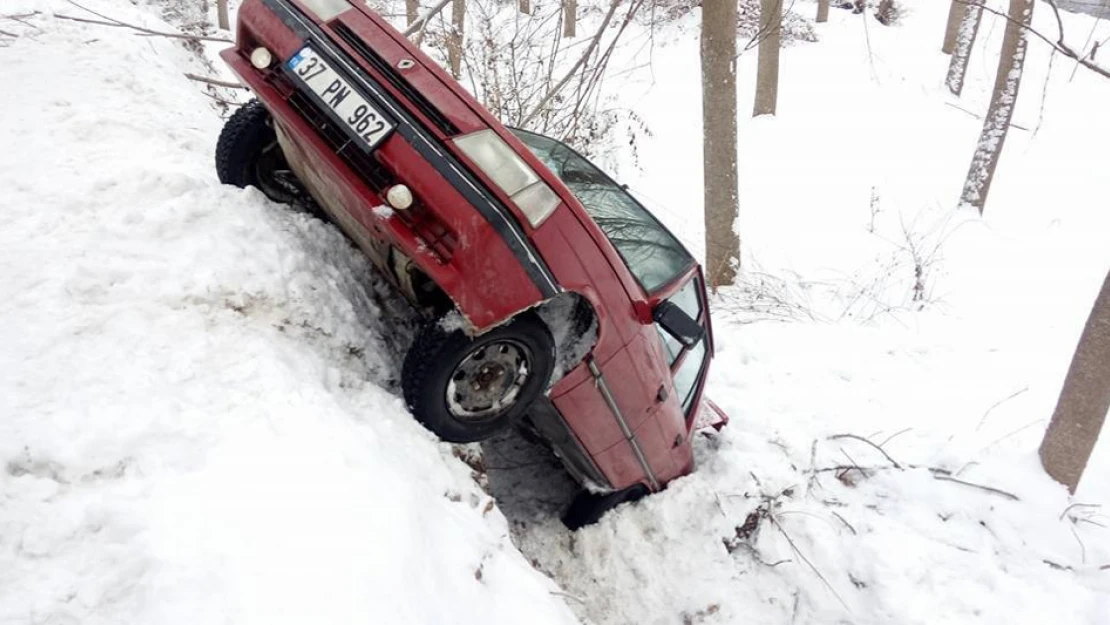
(554, 298)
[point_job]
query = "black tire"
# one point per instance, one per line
(248, 155)
(437, 358)
(588, 508)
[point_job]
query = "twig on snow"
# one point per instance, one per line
(989, 489)
(221, 100)
(7, 34)
(215, 81)
(980, 117)
(845, 522)
(894, 436)
(999, 403)
(568, 596)
(803, 558)
(1078, 505)
(864, 440)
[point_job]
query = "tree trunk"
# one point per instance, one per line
(1084, 401)
(412, 11)
(997, 121)
(719, 127)
(822, 11)
(525, 7)
(222, 19)
(767, 74)
(965, 42)
(455, 40)
(570, 17)
(955, 12)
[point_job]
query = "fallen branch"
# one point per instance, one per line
(980, 117)
(221, 100)
(997, 404)
(989, 489)
(864, 440)
(894, 436)
(845, 522)
(215, 81)
(7, 34)
(803, 558)
(111, 21)
(1078, 505)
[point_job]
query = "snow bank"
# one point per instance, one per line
(198, 419)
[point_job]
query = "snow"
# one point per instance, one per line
(199, 413)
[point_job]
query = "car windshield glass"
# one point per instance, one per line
(651, 252)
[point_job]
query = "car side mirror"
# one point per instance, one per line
(677, 323)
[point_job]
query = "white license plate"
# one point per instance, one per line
(364, 121)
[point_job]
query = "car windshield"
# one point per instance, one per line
(651, 252)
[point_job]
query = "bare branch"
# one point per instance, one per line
(594, 41)
(419, 25)
(1059, 44)
(111, 21)
(989, 489)
(803, 558)
(864, 440)
(999, 403)
(215, 81)
(1078, 505)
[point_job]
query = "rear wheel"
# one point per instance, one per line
(248, 155)
(466, 389)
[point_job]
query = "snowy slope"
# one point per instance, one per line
(198, 421)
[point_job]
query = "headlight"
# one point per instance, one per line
(508, 171)
(326, 9)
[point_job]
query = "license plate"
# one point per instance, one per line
(364, 121)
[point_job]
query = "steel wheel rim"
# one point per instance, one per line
(274, 177)
(487, 382)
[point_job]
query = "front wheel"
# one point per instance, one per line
(248, 155)
(466, 389)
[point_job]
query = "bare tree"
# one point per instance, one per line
(955, 13)
(417, 28)
(570, 17)
(822, 11)
(972, 16)
(1084, 400)
(718, 85)
(412, 11)
(222, 19)
(455, 39)
(767, 74)
(594, 42)
(996, 124)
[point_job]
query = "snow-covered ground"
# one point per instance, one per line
(198, 414)
(199, 419)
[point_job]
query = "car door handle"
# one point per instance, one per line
(661, 396)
